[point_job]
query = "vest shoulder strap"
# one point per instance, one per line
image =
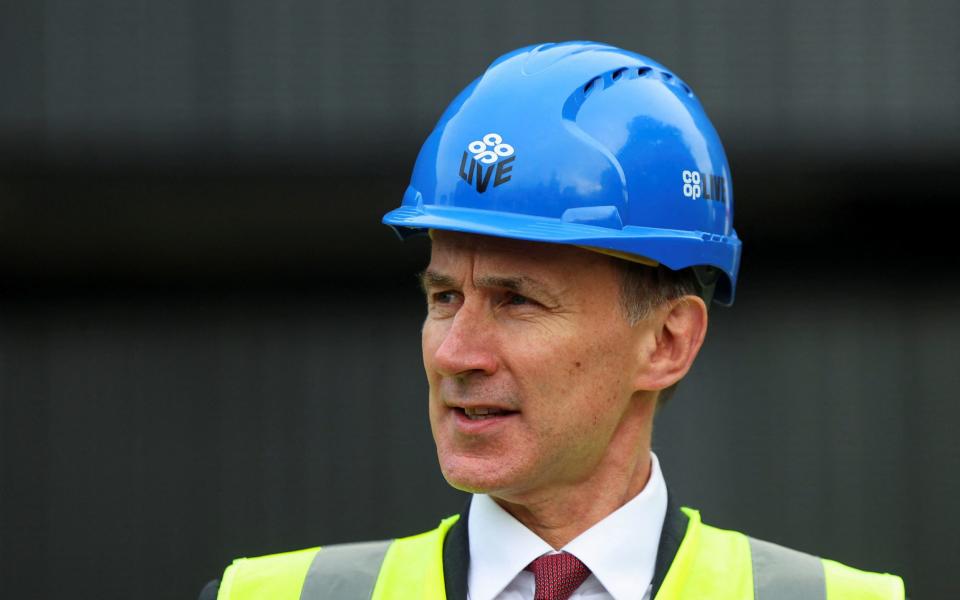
(408, 568)
(345, 571)
(783, 574)
(710, 563)
(847, 583)
(338, 571)
(413, 567)
(726, 565)
(278, 576)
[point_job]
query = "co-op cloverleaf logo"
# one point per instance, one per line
(485, 156)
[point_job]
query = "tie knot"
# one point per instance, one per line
(557, 575)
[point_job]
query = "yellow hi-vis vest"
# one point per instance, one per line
(711, 564)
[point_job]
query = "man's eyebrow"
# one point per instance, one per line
(520, 284)
(432, 279)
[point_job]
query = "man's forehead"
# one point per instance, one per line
(552, 269)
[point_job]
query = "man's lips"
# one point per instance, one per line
(475, 412)
(479, 413)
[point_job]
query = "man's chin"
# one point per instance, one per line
(470, 483)
(475, 476)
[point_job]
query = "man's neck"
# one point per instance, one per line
(559, 516)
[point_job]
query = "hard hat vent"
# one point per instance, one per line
(671, 79)
(600, 82)
(590, 85)
(624, 73)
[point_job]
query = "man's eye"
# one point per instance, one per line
(518, 300)
(444, 297)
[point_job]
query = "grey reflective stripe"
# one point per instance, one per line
(344, 571)
(783, 574)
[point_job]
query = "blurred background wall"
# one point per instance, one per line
(209, 347)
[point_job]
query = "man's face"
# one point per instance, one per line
(529, 359)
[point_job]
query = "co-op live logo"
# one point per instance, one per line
(703, 185)
(485, 158)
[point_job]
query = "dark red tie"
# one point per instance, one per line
(557, 575)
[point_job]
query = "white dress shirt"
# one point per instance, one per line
(620, 550)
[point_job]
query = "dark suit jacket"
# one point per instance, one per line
(456, 554)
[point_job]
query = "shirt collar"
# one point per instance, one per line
(500, 547)
(620, 550)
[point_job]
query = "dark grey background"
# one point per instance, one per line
(209, 346)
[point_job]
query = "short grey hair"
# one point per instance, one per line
(643, 288)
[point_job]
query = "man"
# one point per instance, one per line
(580, 210)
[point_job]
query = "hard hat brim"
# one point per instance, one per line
(676, 249)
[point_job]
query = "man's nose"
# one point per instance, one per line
(469, 344)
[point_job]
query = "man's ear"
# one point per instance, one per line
(673, 341)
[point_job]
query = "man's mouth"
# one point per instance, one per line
(480, 413)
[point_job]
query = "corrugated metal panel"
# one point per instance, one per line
(331, 77)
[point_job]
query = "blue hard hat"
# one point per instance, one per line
(585, 144)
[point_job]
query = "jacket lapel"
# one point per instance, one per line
(456, 557)
(674, 528)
